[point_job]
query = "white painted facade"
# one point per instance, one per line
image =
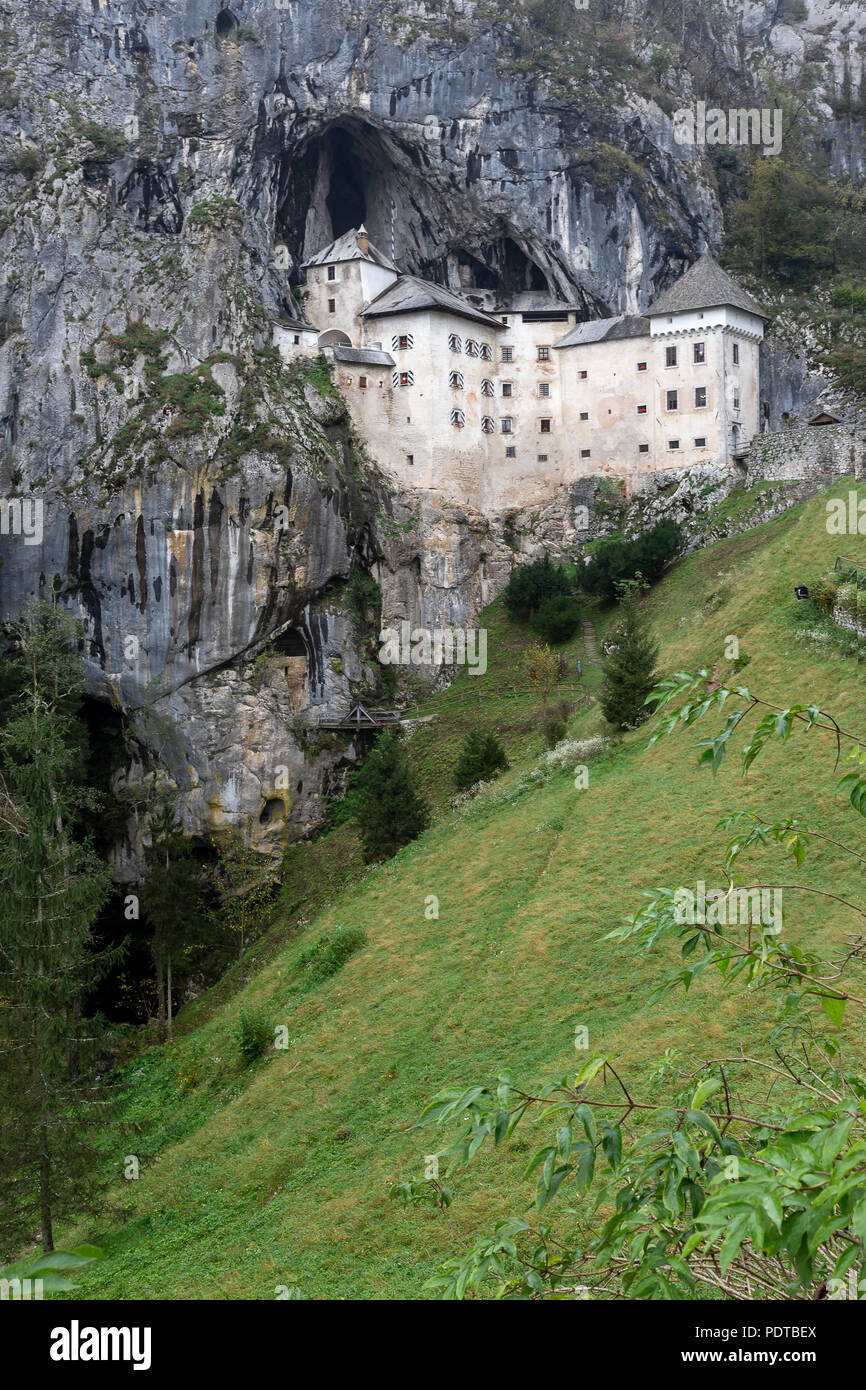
(497, 409)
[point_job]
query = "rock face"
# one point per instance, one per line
(164, 169)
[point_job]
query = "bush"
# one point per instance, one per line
(557, 619)
(481, 758)
(824, 593)
(615, 562)
(554, 731)
(388, 810)
(543, 668)
(329, 954)
(254, 1035)
(530, 585)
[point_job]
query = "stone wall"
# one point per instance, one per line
(817, 451)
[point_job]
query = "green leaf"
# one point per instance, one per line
(834, 1008)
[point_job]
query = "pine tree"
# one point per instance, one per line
(172, 903)
(629, 671)
(481, 757)
(388, 810)
(52, 887)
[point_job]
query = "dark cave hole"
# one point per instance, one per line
(225, 22)
(346, 203)
(290, 643)
(273, 810)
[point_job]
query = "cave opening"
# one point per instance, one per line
(346, 203)
(225, 23)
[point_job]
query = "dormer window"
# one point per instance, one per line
(486, 387)
(455, 381)
(454, 342)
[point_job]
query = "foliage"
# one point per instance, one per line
(529, 585)
(388, 810)
(50, 1269)
(245, 890)
(616, 561)
(482, 757)
(328, 954)
(557, 619)
(254, 1035)
(727, 1185)
(629, 670)
(363, 594)
(541, 667)
(173, 904)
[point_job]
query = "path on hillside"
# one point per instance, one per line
(592, 655)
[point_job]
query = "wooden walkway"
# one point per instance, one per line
(360, 718)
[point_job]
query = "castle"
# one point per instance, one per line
(496, 400)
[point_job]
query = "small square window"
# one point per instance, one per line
(673, 443)
(504, 318)
(701, 442)
(581, 376)
(641, 410)
(511, 452)
(672, 400)
(506, 388)
(403, 340)
(404, 379)
(362, 382)
(643, 448)
(544, 426)
(700, 397)
(332, 272)
(332, 306)
(541, 458)
(410, 459)
(508, 354)
(699, 352)
(506, 424)
(641, 366)
(544, 354)
(297, 339)
(736, 352)
(584, 415)
(584, 453)
(544, 388)
(670, 357)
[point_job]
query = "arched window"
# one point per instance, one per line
(486, 387)
(487, 424)
(455, 380)
(454, 342)
(486, 352)
(471, 347)
(458, 419)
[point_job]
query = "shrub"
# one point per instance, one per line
(615, 562)
(254, 1034)
(387, 808)
(824, 593)
(554, 731)
(329, 953)
(542, 666)
(530, 585)
(481, 758)
(557, 619)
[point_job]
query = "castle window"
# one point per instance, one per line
(544, 426)
(544, 354)
(736, 400)
(584, 415)
(403, 378)
(542, 458)
(699, 352)
(332, 306)
(362, 382)
(454, 342)
(410, 459)
(511, 452)
(584, 453)
(296, 340)
(487, 424)
(471, 347)
(504, 319)
(670, 357)
(505, 424)
(458, 419)
(700, 398)
(701, 442)
(455, 380)
(736, 352)
(487, 387)
(673, 443)
(641, 410)
(508, 354)
(672, 400)
(507, 389)
(581, 376)
(641, 366)
(332, 272)
(643, 448)
(544, 388)
(401, 341)
(486, 353)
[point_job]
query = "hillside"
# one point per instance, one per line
(279, 1174)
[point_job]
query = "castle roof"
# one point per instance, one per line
(408, 294)
(606, 330)
(364, 356)
(705, 286)
(347, 248)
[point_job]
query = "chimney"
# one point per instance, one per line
(363, 241)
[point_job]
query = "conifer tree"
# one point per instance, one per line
(172, 902)
(52, 887)
(629, 671)
(388, 810)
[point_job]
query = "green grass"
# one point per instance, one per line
(279, 1173)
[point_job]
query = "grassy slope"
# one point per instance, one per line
(280, 1174)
